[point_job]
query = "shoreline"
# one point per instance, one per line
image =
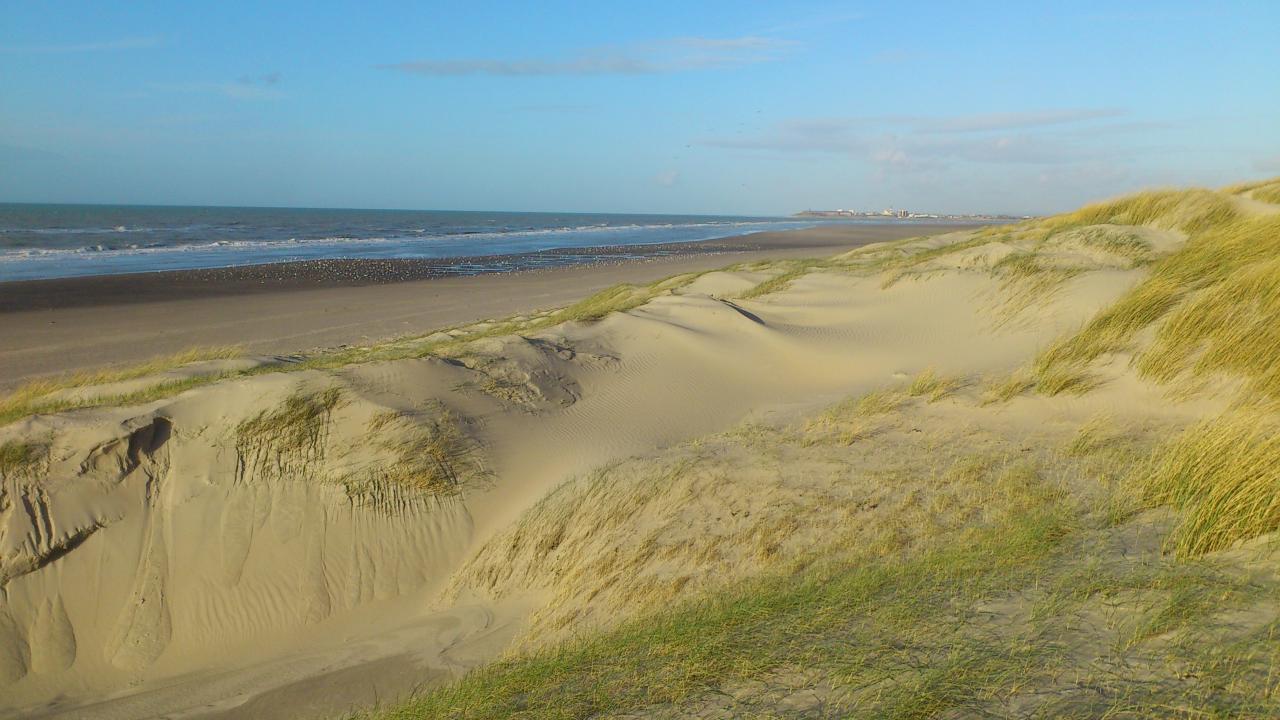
(67, 325)
(160, 285)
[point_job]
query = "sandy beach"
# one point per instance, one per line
(64, 325)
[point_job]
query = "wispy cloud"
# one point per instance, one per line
(668, 178)
(1267, 164)
(129, 43)
(568, 108)
(916, 144)
(247, 87)
(1010, 120)
(665, 56)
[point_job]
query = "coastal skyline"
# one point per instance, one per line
(720, 109)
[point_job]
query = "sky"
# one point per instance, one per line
(661, 106)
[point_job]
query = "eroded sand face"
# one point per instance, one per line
(160, 564)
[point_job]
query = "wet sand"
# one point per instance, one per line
(64, 325)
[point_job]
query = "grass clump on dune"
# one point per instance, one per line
(619, 298)
(1223, 475)
(429, 455)
(288, 440)
(1263, 190)
(790, 271)
(22, 462)
(1221, 296)
(33, 397)
(1116, 241)
(850, 420)
(855, 617)
(1189, 211)
(929, 383)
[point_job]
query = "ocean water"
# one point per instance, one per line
(53, 241)
(47, 241)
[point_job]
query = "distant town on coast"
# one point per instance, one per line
(898, 214)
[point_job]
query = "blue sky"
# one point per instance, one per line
(709, 107)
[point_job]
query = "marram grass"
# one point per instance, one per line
(1223, 475)
(1262, 190)
(289, 440)
(33, 397)
(1215, 302)
(22, 462)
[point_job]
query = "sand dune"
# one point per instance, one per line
(292, 542)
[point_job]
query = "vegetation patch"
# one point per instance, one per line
(1263, 190)
(23, 463)
(289, 441)
(788, 272)
(930, 384)
(1223, 475)
(851, 420)
(843, 615)
(33, 397)
(423, 454)
(1219, 297)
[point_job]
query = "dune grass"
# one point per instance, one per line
(1269, 193)
(1219, 298)
(789, 272)
(1026, 615)
(618, 298)
(1189, 211)
(288, 441)
(22, 462)
(1262, 190)
(1223, 476)
(847, 615)
(852, 419)
(423, 454)
(1069, 380)
(932, 385)
(1116, 241)
(33, 397)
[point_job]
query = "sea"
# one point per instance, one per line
(55, 241)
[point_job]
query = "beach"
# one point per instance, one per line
(68, 324)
